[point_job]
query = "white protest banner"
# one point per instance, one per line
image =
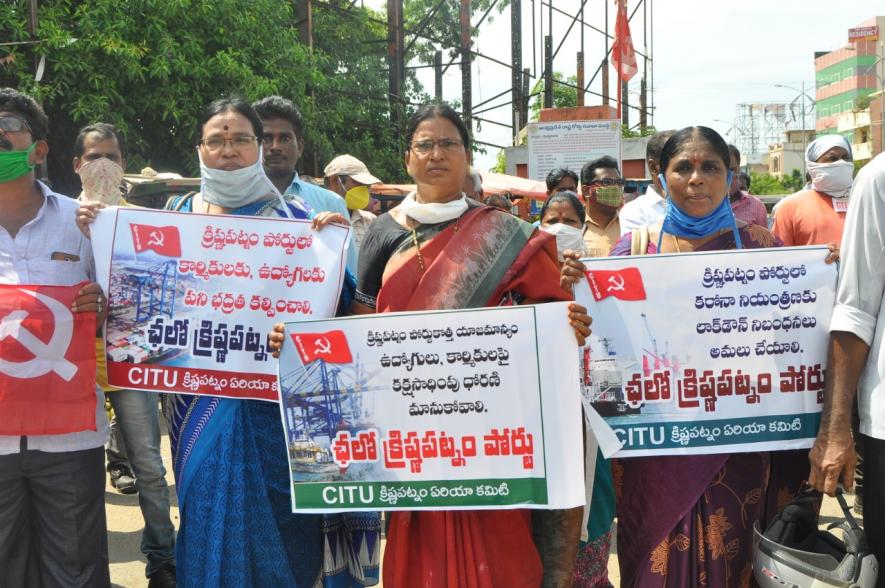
(709, 352)
(434, 410)
(192, 297)
(571, 144)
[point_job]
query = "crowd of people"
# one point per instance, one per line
(445, 246)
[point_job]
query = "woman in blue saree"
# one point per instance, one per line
(230, 461)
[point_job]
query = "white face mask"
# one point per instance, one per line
(236, 188)
(567, 237)
(431, 213)
(833, 179)
(101, 179)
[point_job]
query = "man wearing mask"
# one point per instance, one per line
(746, 208)
(99, 160)
(283, 143)
(53, 530)
(816, 216)
(350, 178)
(651, 207)
(603, 190)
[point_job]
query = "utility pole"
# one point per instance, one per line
(395, 50)
(516, 66)
(605, 62)
(466, 81)
(437, 76)
(548, 71)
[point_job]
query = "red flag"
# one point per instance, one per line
(162, 240)
(47, 362)
(623, 56)
(331, 347)
(625, 284)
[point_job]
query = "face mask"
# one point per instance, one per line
(431, 213)
(357, 198)
(680, 223)
(15, 164)
(833, 179)
(237, 188)
(612, 196)
(101, 179)
(567, 237)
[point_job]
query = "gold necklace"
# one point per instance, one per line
(418, 253)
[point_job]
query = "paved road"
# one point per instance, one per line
(125, 524)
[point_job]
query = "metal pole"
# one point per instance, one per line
(437, 76)
(804, 134)
(524, 107)
(516, 58)
(580, 78)
(605, 62)
(548, 71)
(466, 81)
(395, 60)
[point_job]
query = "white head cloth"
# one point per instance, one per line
(823, 144)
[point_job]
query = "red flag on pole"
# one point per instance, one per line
(47, 362)
(331, 347)
(623, 56)
(625, 284)
(162, 240)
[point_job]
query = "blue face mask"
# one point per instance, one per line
(678, 222)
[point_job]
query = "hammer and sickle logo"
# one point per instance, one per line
(156, 239)
(616, 284)
(322, 346)
(48, 357)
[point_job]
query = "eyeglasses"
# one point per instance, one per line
(609, 182)
(13, 124)
(239, 142)
(447, 145)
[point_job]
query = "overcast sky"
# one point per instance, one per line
(709, 55)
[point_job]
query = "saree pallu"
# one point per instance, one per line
(237, 527)
(481, 259)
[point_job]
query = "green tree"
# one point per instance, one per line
(150, 66)
(762, 184)
(438, 23)
(565, 93)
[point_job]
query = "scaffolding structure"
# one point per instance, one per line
(758, 125)
(546, 58)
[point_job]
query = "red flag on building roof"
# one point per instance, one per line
(623, 55)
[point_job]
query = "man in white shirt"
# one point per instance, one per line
(856, 359)
(651, 206)
(53, 531)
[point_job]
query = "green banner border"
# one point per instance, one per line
(368, 495)
(809, 424)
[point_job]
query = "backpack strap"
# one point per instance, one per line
(639, 241)
(177, 203)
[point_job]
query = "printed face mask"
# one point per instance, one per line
(101, 179)
(567, 238)
(610, 195)
(15, 164)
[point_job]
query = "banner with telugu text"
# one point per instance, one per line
(192, 297)
(709, 352)
(447, 410)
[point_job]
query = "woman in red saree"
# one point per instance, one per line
(439, 250)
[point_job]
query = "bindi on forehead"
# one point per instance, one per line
(226, 127)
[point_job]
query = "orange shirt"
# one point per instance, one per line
(808, 218)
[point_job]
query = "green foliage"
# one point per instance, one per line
(439, 24)
(564, 96)
(500, 166)
(762, 184)
(150, 66)
(628, 133)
